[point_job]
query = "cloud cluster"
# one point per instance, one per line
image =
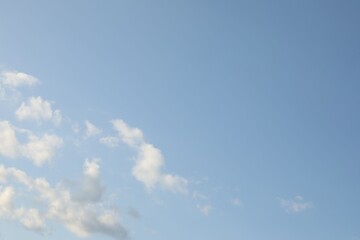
(79, 204)
(149, 162)
(84, 217)
(296, 204)
(39, 149)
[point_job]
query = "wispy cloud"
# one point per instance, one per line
(149, 162)
(296, 204)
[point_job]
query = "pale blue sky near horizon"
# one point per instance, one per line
(250, 100)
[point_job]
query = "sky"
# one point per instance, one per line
(178, 120)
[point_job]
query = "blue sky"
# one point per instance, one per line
(179, 120)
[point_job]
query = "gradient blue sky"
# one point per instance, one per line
(255, 104)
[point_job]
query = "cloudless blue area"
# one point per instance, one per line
(256, 100)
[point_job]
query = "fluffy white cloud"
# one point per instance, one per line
(91, 129)
(39, 149)
(295, 205)
(148, 166)
(109, 141)
(38, 109)
(16, 79)
(83, 218)
(149, 163)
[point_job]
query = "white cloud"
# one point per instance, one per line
(39, 149)
(92, 168)
(16, 79)
(6, 196)
(130, 136)
(149, 162)
(205, 209)
(109, 141)
(174, 183)
(32, 219)
(295, 205)
(29, 218)
(90, 188)
(8, 141)
(91, 129)
(82, 218)
(38, 109)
